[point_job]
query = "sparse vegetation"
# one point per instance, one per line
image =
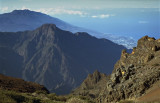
(15, 97)
(41, 92)
(7, 96)
(10, 93)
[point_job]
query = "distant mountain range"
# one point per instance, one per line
(21, 20)
(58, 59)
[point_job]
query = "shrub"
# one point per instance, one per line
(41, 92)
(5, 99)
(52, 96)
(15, 97)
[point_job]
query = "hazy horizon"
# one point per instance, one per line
(124, 18)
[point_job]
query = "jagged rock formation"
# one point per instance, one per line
(134, 73)
(92, 85)
(19, 85)
(58, 59)
(141, 54)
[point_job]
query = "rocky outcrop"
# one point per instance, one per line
(134, 73)
(143, 53)
(92, 85)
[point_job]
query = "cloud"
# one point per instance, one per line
(59, 11)
(23, 8)
(55, 11)
(102, 16)
(4, 9)
(143, 22)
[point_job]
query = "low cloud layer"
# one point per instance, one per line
(4, 9)
(53, 11)
(102, 16)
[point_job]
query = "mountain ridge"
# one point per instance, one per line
(27, 20)
(49, 50)
(21, 20)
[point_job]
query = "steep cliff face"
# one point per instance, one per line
(134, 73)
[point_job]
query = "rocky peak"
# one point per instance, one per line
(46, 27)
(148, 43)
(94, 78)
(46, 32)
(92, 85)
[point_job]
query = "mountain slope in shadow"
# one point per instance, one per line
(58, 59)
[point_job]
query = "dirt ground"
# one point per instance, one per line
(152, 95)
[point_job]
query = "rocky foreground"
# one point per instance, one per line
(136, 76)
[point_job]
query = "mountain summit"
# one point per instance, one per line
(24, 12)
(58, 59)
(21, 20)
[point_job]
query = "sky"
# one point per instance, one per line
(76, 7)
(119, 17)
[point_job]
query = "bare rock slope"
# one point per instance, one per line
(133, 75)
